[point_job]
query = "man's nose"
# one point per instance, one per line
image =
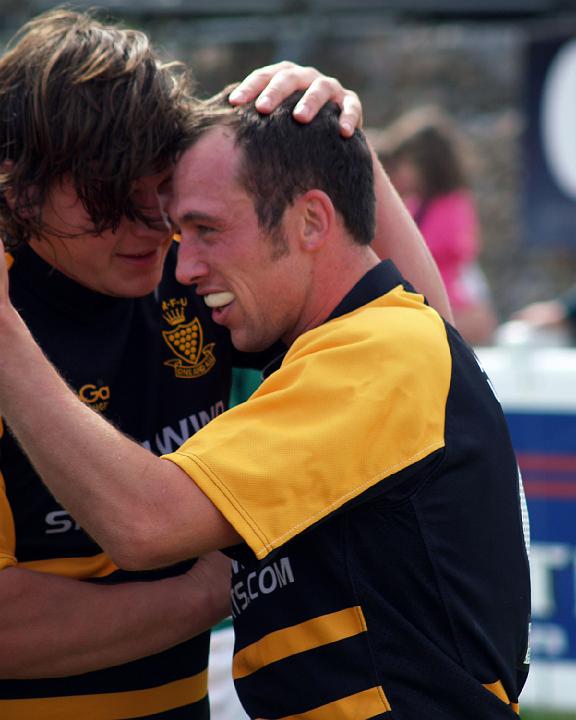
(190, 267)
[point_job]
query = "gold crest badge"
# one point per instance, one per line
(186, 341)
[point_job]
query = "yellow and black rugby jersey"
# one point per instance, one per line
(372, 478)
(160, 369)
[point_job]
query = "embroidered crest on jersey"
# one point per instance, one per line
(186, 340)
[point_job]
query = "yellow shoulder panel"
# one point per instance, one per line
(355, 401)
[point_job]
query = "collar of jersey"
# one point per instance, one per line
(376, 282)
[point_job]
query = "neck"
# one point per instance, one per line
(333, 277)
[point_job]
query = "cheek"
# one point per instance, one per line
(88, 259)
(280, 308)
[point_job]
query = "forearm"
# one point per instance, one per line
(57, 431)
(52, 626)
(125, 497)
(398, 238)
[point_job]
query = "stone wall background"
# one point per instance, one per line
(472, 70)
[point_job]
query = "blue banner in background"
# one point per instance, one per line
(549, 140)
(545, 444)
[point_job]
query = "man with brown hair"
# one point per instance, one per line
(367, 491)
(90, 119)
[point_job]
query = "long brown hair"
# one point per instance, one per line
(90, 101)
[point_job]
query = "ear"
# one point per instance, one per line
(317, 219)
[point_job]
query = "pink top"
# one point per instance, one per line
(450, 227)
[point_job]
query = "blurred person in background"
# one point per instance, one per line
(423, 156)
(555, 316)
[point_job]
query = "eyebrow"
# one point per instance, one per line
(195, 217)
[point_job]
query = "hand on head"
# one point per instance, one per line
(272, 84)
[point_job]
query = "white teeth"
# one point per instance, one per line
(215, 300)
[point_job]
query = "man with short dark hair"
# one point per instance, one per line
(367, 491)
(371, 477)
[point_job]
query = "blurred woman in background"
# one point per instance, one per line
(423, 156)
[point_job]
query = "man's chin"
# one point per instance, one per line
(136, 288)
(246, 344)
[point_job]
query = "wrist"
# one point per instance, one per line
(202, 604)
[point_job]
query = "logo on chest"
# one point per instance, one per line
(186, 341)
(96, 396)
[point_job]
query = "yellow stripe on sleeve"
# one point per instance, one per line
(299, 638)
(110, 706)
(360, 706)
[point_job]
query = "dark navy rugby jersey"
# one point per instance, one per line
(159, 369)
(385, 571)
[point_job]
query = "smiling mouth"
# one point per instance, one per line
(138, 256)
(218, 300)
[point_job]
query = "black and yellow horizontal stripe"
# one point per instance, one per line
(360, 706)
(109, 706)
(299, 638)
